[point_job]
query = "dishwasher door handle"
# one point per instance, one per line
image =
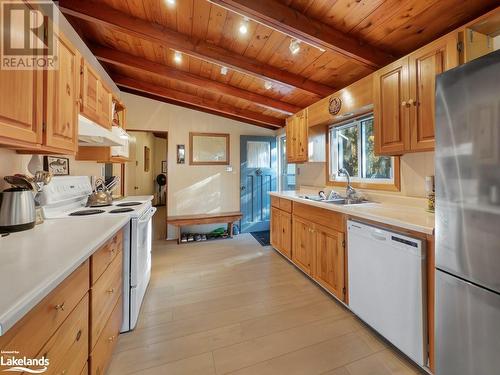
(378, 236)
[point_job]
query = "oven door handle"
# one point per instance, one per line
(147, 215)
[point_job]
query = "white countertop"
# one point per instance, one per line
(34, 262)
(406, 217)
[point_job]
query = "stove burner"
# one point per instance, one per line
(100, 205)
(121, 210)
(127, 204)
(86, 212)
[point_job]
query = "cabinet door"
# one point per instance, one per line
(275, 228)
(104, 106)
(301, 137)
(286, 234)
(90, 93)
(62, 98)
(290, 143)
(303, 244)
(424, 65)
(21, 103)
(390, 108)
(328, 267)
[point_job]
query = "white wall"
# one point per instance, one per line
(193, 189)
(11, 162)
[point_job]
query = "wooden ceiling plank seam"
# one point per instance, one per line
(122, 81)
(297, 25)
(192, 46)
(115, 57)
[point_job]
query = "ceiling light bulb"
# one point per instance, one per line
(268, 85)
(171, 2)
(244, 26)
(223, 70)
(177, 57)
(294, 46)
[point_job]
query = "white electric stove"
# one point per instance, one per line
(66, 198)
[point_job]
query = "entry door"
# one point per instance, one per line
(257, 179)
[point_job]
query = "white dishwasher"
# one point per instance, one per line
(387, 286)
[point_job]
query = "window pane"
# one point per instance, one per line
(258, 154)
(374, 166)
(347, 139)
(287, 173)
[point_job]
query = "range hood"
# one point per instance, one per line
(92, 134)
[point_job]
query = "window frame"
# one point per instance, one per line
(333, 179)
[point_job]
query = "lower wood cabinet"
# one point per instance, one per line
(75, 318)
(303, 243)
(101, 354)
(329, 260)
(281, 235)
(317, 244)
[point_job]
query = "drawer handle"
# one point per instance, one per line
(79, 335)
(111, 291)
(60, 307)
(111, 338)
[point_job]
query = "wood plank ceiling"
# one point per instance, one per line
(341, 42)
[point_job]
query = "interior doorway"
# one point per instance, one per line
(147, 173)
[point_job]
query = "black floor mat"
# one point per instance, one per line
(263, 237)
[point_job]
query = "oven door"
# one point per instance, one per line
(140, 254)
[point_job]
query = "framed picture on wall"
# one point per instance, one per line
(208, 149)
(164, 166)
(56, 165)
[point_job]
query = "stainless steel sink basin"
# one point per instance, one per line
(348, 201)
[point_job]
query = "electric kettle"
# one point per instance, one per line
(17, 209)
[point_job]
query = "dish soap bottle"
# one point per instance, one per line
(431, 195)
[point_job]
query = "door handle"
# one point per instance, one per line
(242, 188)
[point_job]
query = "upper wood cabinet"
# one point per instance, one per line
(404, 98)
(62, 98)
(21, 103)
(297, 138)
(104, 106)
(90, 92)
(474, 44)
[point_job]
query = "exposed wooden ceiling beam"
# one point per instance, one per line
(197, 101)
(194, 108)
(287, 20)
(106, 16)
(122, 59)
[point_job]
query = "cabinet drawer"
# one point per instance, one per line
(322, 216)
(286, 205)
(104, 295)
(68, 348)
(275, 201)
(32, 332)
(101, 355)
(105, 255)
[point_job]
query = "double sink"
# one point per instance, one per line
(338, 201)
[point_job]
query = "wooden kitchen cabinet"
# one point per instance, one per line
(297, 138)
(281, 225)
(328, 268)
(104, 106)
(303, 243)
(62, 99)
(404, 98)
(21, 104)
(90, 96)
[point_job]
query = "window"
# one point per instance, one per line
(352, 147)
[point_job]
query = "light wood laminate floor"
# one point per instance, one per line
(235, 307)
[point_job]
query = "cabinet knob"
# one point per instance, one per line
(412, 102)
(404, 103)
(59, 307)
(111, 290)
(68, 90)
(111, 338)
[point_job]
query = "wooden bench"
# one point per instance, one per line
(197, 219)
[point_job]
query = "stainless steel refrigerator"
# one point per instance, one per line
(468, 218)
